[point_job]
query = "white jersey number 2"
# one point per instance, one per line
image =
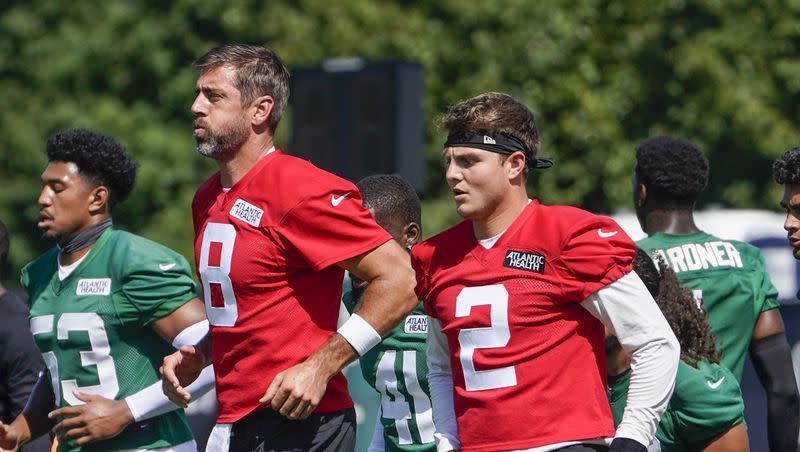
(223, 237)
(494, 336)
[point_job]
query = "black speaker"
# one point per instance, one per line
(356, 118)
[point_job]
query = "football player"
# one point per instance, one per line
(727, 277)
(706, 411)
(105, 307)
(273, 236)
(396, 367)
(518, 295)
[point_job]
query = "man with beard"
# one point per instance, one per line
(273, 236)
(105, 307)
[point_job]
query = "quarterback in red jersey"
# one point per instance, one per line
(274, 235)
(518, 296)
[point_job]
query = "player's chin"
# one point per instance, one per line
(49, 234)
(796, 252)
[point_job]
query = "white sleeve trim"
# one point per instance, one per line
(151, 401)
(440, 382)
(191, 335)
(627, 309)
(359, 333)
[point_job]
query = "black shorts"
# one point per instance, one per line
(267, 430)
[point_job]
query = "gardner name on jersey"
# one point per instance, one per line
(93, 328)
(729, 281)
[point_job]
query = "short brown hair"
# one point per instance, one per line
(258, 72)
(493, 112)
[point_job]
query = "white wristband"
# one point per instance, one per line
(151, 401)
(191, 335)
(360, 334)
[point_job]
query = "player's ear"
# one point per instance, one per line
(640, 195)
(98, 199)
(515, 164)
(412, 234)
(262, 108)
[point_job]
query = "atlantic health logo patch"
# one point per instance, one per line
(93, 286)
(246, 212)
(522, 260)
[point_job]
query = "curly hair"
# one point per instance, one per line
(786, 168)
(391, 198)
(674, 170)
(687, 320)
(99, 158)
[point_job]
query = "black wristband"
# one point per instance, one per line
(626, 445)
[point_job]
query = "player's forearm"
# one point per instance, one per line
(34, 422)
(388, 299)
(627, 308)
(151, 401)
(440, 382)
(331, 357)
(771, 358)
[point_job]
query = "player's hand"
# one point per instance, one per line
(296, 392)
(97, 419)
(9, 440)
(179, 370)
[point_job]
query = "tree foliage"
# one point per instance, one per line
(600, 76)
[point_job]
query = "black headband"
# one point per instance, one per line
(500, 142)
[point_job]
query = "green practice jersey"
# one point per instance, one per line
(397, 369)
(728, 278)
(706, 402)
(93, 328)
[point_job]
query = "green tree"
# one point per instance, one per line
(600, 76)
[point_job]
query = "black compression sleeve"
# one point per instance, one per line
(772, 360)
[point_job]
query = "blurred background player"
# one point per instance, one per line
(727, 277)
(517, 297)
(786, 171)
(20, 360)
(706, 411)
(396, 367)
(273, 236)
(105, 306)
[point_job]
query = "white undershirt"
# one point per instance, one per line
(66, 270)
(626, 307)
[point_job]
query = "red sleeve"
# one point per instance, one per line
(330, 226)
(417, 262)
(594, 254)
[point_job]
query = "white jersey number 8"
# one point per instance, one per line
(224, 235)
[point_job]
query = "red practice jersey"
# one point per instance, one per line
(265, 251)
(528, 360)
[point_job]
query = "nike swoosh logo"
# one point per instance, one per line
(165, 267)
(335, 201)
(606, 235)
(715, 384)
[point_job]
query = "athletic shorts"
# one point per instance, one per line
(268, 431)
